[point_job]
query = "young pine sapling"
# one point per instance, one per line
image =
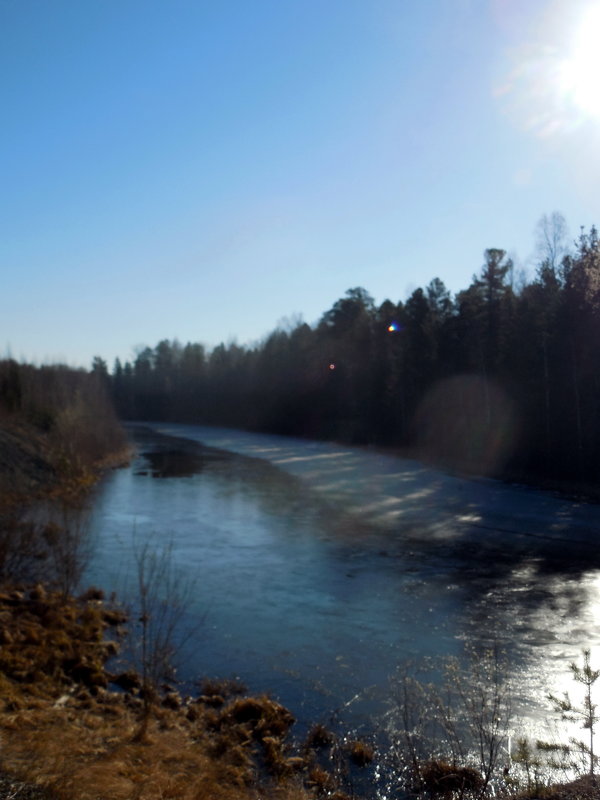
(585, 713)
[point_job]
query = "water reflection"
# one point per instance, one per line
(322, 568)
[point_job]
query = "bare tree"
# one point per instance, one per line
(551, 234)
(452, 732)
(163, 598)
(68, 536)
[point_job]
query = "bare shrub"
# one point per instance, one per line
(163, 597)
(69, 546)
(23, 551)
(452, 729)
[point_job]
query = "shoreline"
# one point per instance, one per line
(241, 743)
(67, 735)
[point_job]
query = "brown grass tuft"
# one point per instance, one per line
(360, 753)
(441, 778)
(62, 729)
(319, 737)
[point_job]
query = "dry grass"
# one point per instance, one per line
(319, 737)
(584, 788)
(360, 753)
(62, 728)
(94, 753)
(440, 778)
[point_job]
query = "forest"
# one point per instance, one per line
(501, 378)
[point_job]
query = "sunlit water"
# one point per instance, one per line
(319, 569)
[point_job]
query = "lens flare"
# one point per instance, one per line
(393, 327)
(467, 422)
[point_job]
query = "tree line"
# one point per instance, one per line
(503, 375)
(68, 413)
(58, 428)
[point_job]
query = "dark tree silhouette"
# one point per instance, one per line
(362, 373)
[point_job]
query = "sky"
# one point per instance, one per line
(207, 171)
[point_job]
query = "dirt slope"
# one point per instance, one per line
(24, 461)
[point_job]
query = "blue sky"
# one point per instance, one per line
(201, 170)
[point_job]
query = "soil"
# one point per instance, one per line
(25, 465)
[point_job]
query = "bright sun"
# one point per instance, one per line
(579, 73)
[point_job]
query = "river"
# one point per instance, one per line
(319, 569)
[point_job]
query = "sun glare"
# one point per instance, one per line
(580, 70)
(554, 87)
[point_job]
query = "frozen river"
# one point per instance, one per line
(320, 569)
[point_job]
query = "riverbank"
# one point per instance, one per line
(217, 733)
(79, 729)
(31, 467)
(73, 726)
